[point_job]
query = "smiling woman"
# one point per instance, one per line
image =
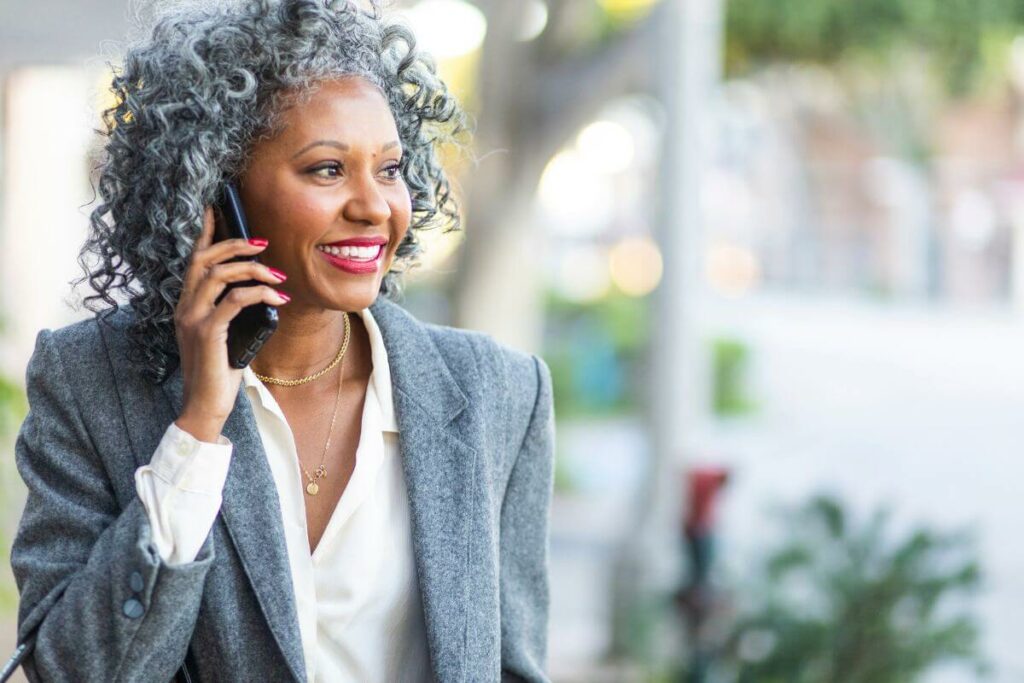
(368, 500)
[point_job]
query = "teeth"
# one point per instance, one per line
(354, 253)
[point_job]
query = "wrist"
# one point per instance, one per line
(202, 428)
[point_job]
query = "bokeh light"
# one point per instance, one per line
(636, 265)
(732, 270)
(447, 28)
(607, 145)
(535, 20)
(577, 198)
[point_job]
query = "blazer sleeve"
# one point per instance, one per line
(93, 588)
(524, 542)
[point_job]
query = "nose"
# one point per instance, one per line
(365, 203)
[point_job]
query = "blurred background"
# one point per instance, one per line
(773, 252)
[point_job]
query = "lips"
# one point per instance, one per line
(351, 265)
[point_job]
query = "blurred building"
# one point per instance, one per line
(807, 195)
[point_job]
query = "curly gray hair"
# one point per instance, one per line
(192, 99)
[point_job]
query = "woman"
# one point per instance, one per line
(368, 499)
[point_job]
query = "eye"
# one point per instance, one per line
(394, 172)
(326, 171)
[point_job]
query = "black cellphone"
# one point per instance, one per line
(254, 324)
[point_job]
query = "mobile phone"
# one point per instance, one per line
(254, 324)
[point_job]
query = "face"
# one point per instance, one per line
(330, 177)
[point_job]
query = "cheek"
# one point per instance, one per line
(401, 209)
(401, 215)
(295, 216)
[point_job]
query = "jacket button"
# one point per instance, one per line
(136, 582)
(133, 608)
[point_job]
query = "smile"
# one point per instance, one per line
(357, 260)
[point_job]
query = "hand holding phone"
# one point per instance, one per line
(203, 317)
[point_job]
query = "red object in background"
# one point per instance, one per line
(703, 485)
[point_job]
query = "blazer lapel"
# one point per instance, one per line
(439, 468)
(439, 474)
(252, 513)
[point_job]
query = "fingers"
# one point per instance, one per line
(206, 254)
(196, 269)
(219, 276)
(240, 297)
(206, 236)
(226, 249)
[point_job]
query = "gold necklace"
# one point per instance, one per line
(302, 380)
(312, 487)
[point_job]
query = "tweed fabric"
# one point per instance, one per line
(476, 425)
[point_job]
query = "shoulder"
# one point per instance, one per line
(77, 354)
(509, 362)
(70, 386)
(504, 387)
(471, 356)
(506, 366)
(88, 334)
(508, 385)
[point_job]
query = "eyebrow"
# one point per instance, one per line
(339, 145)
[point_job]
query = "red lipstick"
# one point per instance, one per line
(356, 266)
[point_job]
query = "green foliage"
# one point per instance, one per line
(842, 602)
(13, 403)
(952, 32)
(13, 408)
(564, 481)
(596, 352)
(730, 360)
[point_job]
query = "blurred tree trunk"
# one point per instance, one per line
(689, 44)
(533, 96)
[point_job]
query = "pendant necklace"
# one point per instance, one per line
(312, 488)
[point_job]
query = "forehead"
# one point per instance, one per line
(347, 109)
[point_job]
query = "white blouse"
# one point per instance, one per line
(357, 597)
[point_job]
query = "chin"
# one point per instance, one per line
(357, 301)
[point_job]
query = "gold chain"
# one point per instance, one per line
(312, 487)
(321, 471)
(303, 380)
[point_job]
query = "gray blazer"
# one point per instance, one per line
(476, 427)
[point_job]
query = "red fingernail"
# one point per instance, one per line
(277, 273)
(284, 296)
(258, 242)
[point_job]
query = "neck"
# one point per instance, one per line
(306, 342)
